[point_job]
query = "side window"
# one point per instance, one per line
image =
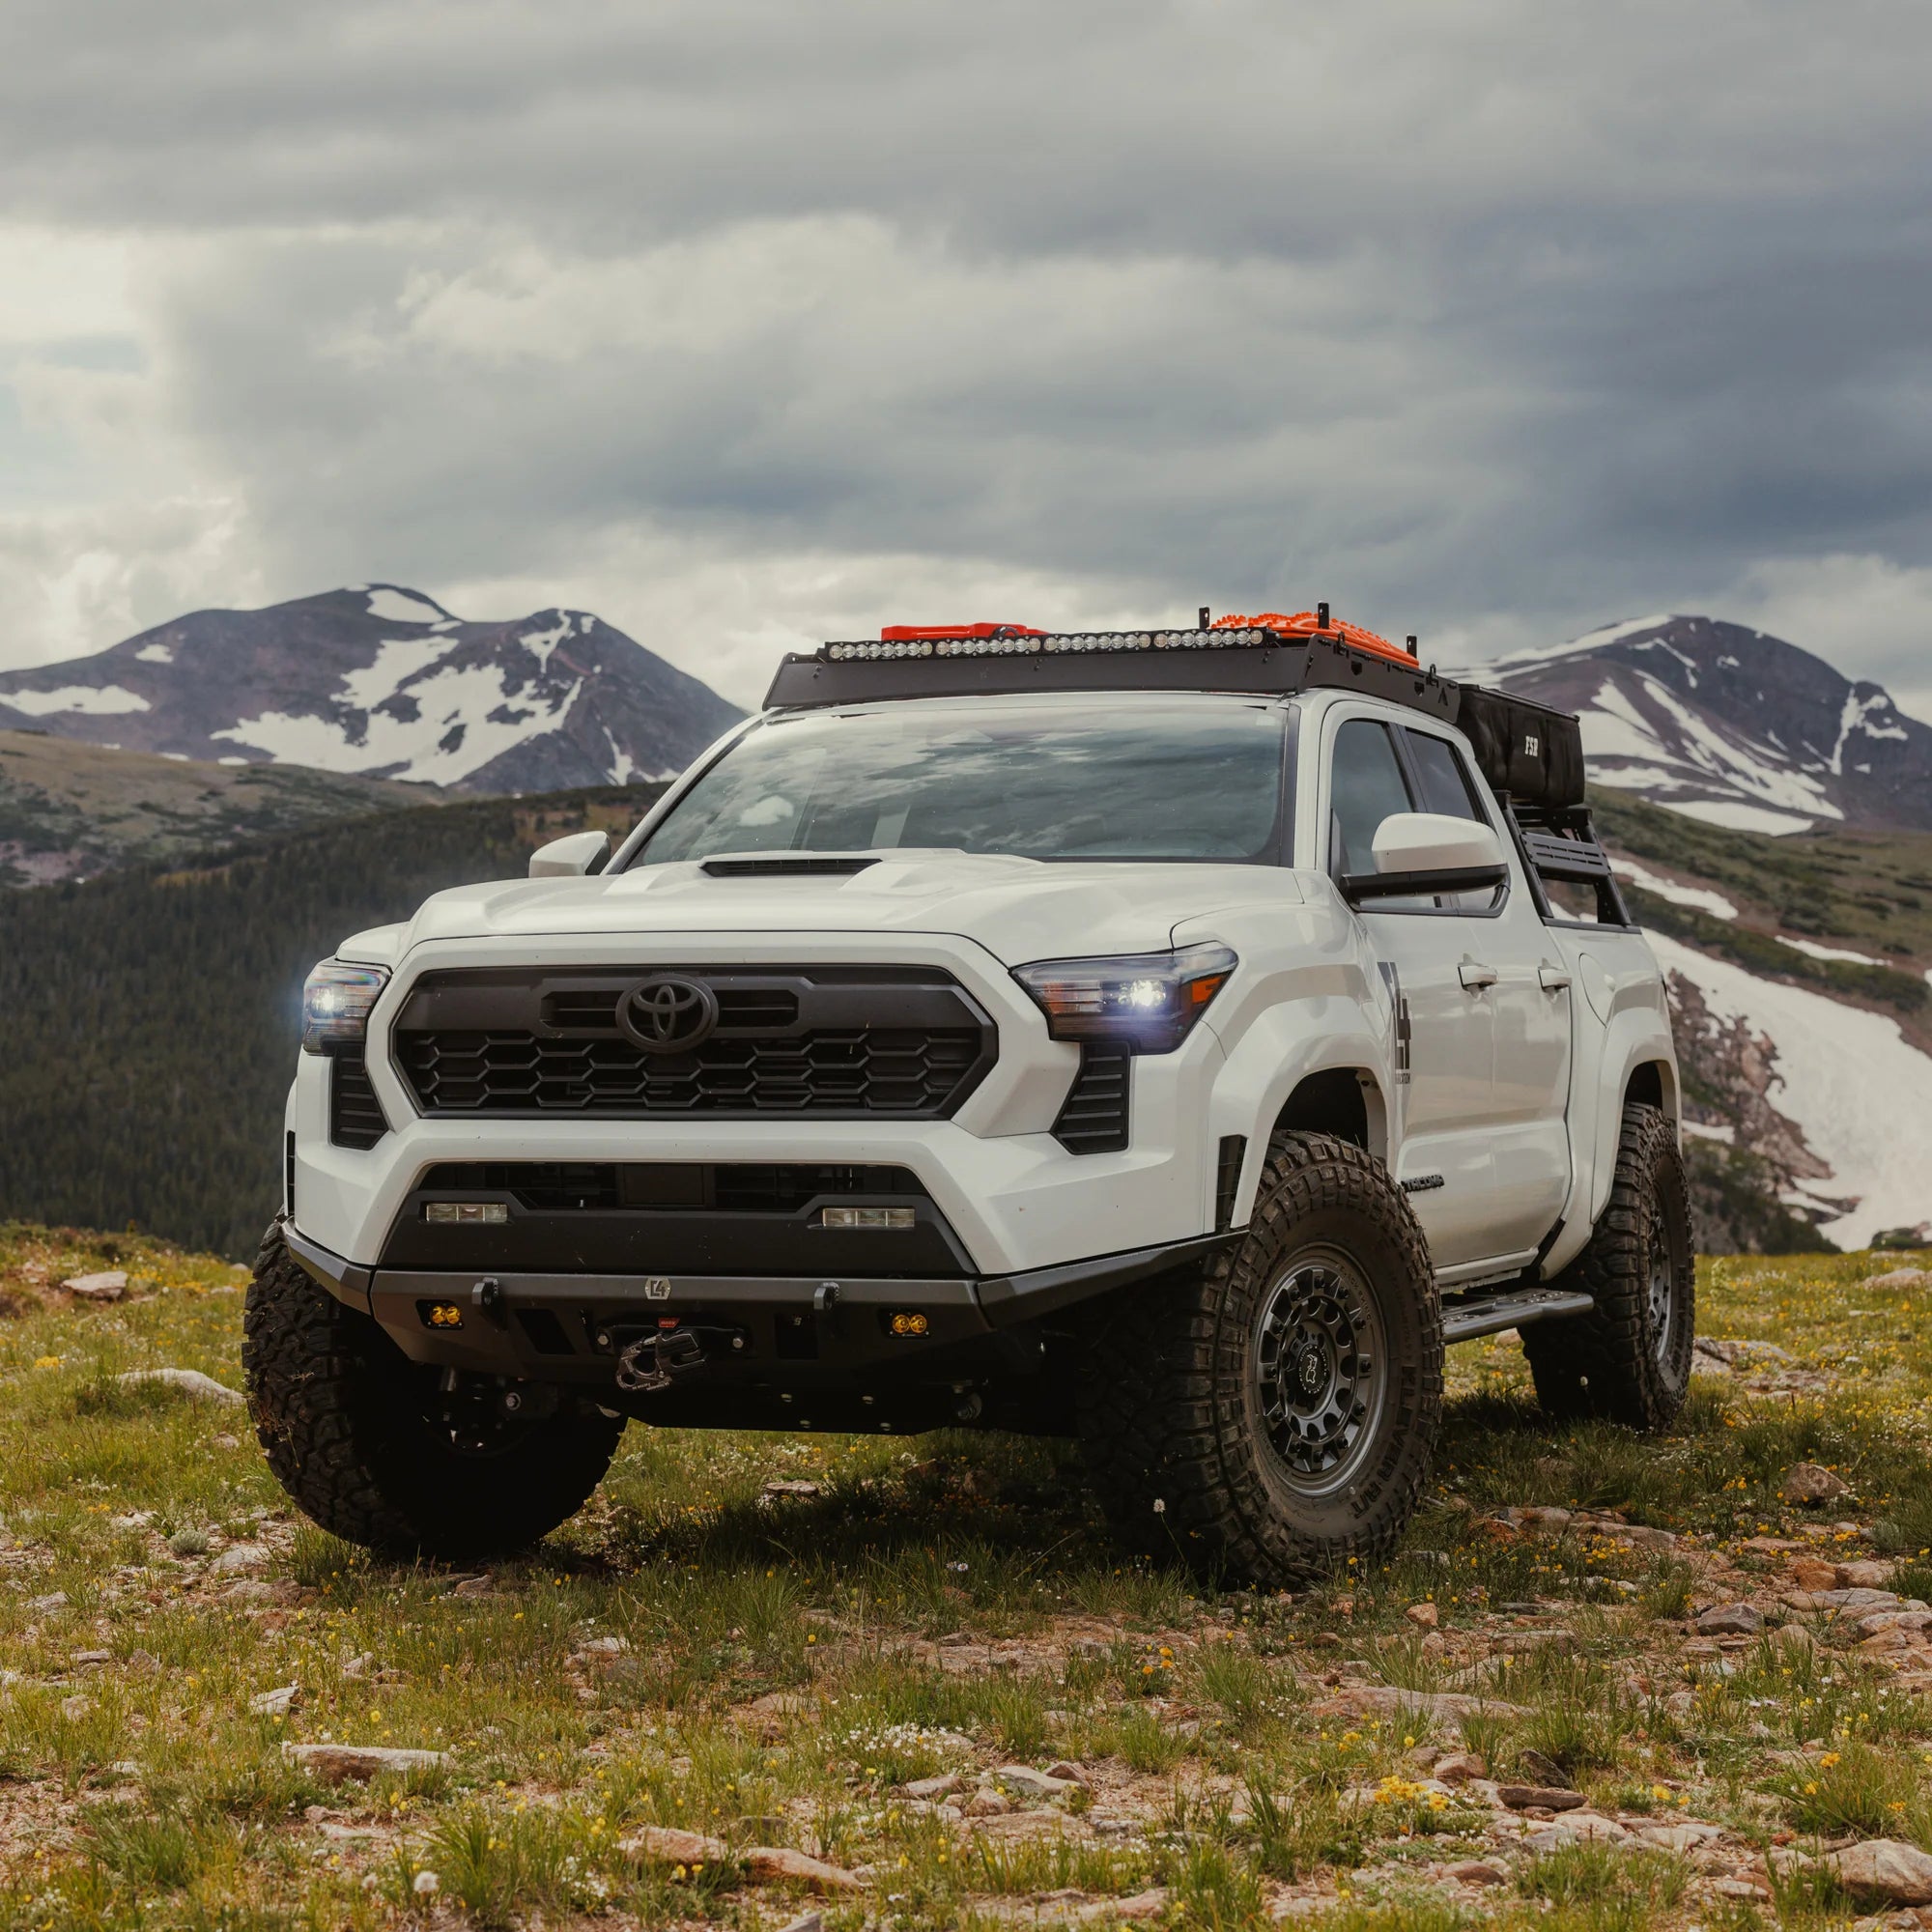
(1365, 787)
(1442, 776)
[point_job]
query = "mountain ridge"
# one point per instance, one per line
(381, 681)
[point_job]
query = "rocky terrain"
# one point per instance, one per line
(385, 682)
(1607, 1683)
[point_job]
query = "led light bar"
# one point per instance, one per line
(485, 1213)
(874, 650)
(867, 1217)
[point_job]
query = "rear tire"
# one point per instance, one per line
(1273, 1414)
(353, 1430)
(1628, 1359)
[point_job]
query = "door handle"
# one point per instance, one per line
(1475, 975)
(1552, 979)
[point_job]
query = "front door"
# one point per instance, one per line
(1478, 1132)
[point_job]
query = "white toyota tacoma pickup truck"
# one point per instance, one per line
(1167, 1039)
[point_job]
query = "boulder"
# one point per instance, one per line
(1539, 1797)
(1424, 1614)
(1884, 1871)
(191, 1382)
(780, 1864)
(1023, 1778)
(1809, 1483)
(1729, 1620)
(1383, 1700)
(110, 1285)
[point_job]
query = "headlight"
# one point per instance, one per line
(1148, 1001)
(336, 999)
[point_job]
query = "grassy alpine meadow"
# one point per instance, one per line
(1607, 1683)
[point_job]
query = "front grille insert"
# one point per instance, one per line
(354, 1114)
(840, 1042)
(1093, 1117)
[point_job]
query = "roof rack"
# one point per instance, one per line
(1524, 748)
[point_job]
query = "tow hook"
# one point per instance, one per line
(653, 1361)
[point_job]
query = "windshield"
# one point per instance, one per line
(1175, 778)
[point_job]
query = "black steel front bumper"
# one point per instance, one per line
(776, 1331)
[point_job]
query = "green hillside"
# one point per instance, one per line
(70, 810)
(152, 1014)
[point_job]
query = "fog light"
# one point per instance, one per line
(867, 1217)
(488, 1212)
(440, 1314)
(906, 1321)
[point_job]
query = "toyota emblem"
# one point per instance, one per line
(667, 1014)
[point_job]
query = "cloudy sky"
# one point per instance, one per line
(748, 324)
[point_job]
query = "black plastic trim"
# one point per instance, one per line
(1355, 886)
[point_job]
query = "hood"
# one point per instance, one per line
(1019, 909)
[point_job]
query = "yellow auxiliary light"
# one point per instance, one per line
(440, 1314)
(906, 1321)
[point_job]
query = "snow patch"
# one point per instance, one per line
(97, 700)
(397, 660)
(1813, 950)
(154, 654)
(540, 644)
(452, 734)
(1701, 896)
(1735, 815)
(402, 607)
(623, 767)
(1859, 1091)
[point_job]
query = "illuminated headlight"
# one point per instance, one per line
(867, 1217)
(336, 999)
(1147, 1001)
(477, 1213)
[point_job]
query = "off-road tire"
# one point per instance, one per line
(1174, 1409)
(1618, 1362)
(349, 1425)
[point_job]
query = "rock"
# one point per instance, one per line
(668, 1845)
(1865, 1574)
(1478, 1871)
(1149, 1904)
(934, 1787)
(1811, 1574)
(602, 1646)
(1544, 1771)
(1376, 1700)
(108, 1285)
(987, 1804)
(1541, 1797)
(1067, 1771)
(780, 1864)
(1895, 1278)
(1034, 1784)
(1729, 1620)
(191, 1382)
(334, 1763)
(239, 1558)
(1459, 1767)
(87, 1660)
(275, 1703)
(809, 1921)
(1809, 1484)
(1845, 1600)
(75, 1708)
(1683, 1837)
(780, 1488)
(1733, 1355)
(1424, 1616)
(1519, 1643)
(1579, 1828)
(54, 1599)
(1884, 1871)
(1641, 1536)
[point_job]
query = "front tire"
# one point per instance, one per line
(1628, 1359)
(1273, 1414)
(354, 1433)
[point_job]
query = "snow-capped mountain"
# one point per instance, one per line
(1732, 726)
(383, 681)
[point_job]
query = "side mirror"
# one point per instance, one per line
(1420, 852)
(569, 858)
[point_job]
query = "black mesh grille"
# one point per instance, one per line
(354, 1114)
(1095, 1117)
(821, 1041)
(739, 1187)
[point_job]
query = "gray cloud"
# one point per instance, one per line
(1485, 319)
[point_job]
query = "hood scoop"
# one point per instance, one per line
(804, 868)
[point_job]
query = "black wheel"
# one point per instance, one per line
(1628, 1359)
(1273, 1414)
(370, 1448)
